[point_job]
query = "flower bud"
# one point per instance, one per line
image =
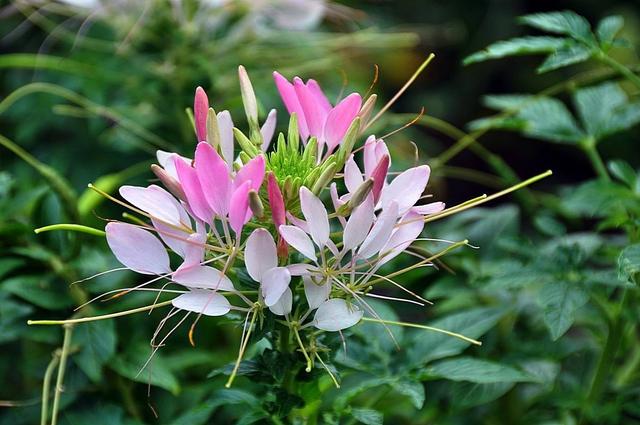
(255, 204)
(276, 202)
(379, 176)
(357, 198)
(365, 111)
(248, 97)
(200, 108)
(324, 179)
(213, 133)
(169, 182)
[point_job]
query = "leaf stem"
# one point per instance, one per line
(622, 69)
(46, 387)
(68, 330)
(590, 149)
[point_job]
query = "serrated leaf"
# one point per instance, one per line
(564, 22)
(516, 46)
(130, 363)
(608, 28)
(427, 346)
(548, 119)
(479, 371)
(624, 172)
(367, 416)
(565, 56)
(39, 291)
(412, 389)
(504, 102)
(598, 107)
(559, 301)
(468, 394)
(629, 263)
(599, 198)
(97, 343)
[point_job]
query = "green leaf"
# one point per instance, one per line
(629, 263)
(479, 371)
(427, 346)
(516, 46)
(608, 28)
(97, 344)
(565, 56)
(130, 363)
(468, 394)
(39, 291)
(600, 109)
(200, 414)
(412, 389)
(548, 119)
(560, 300)
(7, 265)
(564, 22)
(599, 198)
(504, 102)
(624, 172)
(367, 416)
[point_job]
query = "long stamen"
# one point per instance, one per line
(429, 328)
(243, 346)
(333, 378)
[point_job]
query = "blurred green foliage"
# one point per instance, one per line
(89, 94)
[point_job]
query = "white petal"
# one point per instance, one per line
(274, 283)
(268, 129)
(298, 222)
(359, 224)
(137, 248)
(299, 240)
(406, 188)
(260, 254)
(153, 200)
(430, 208)
(316, 215)
(402, 237)
(315, 294)
(284, 304)
(203, 277)
(166, 160)
(300, 269)
(335, 314)
(176, 238)
(352, 175)
(380, 232)
(225, 127)
(201, 301)
(194, 249)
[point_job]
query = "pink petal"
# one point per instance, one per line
(379, 176)
(155, 201)
(137, 249)
(268, 129)
(203, 277)
(352, 175)
(339, 120)
(337, 202)
(274, 282)
(166, 160)
(225, 127)
(359, 224)
(284, 304)
(318, 95)
(402, 237)
(193, 191)
(252, 171)
(239, 207)
(214, 178)
(315, 294)
(299, 240)
(335, 315)
(173, 237)
(276, 202)
(314, 115)
(300, 269)
(380, 232)
(316, 215)
(290, 100)
(202, 301)
(406, 188)
(193, 250)
(200, 109)
(374, 150)
(260, 254)
(298, 222)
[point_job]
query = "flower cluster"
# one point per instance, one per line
(298, 229)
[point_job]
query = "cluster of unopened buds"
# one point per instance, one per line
(294, 228)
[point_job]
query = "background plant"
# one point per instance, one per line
(557, 264)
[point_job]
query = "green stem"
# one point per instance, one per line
(102, 317)
(71, 227)
(605, 363)
(596, 160)
(46, 387)
(68, 330)
(622, 69)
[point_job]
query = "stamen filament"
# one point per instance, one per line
(429, 328)
(102, 317)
